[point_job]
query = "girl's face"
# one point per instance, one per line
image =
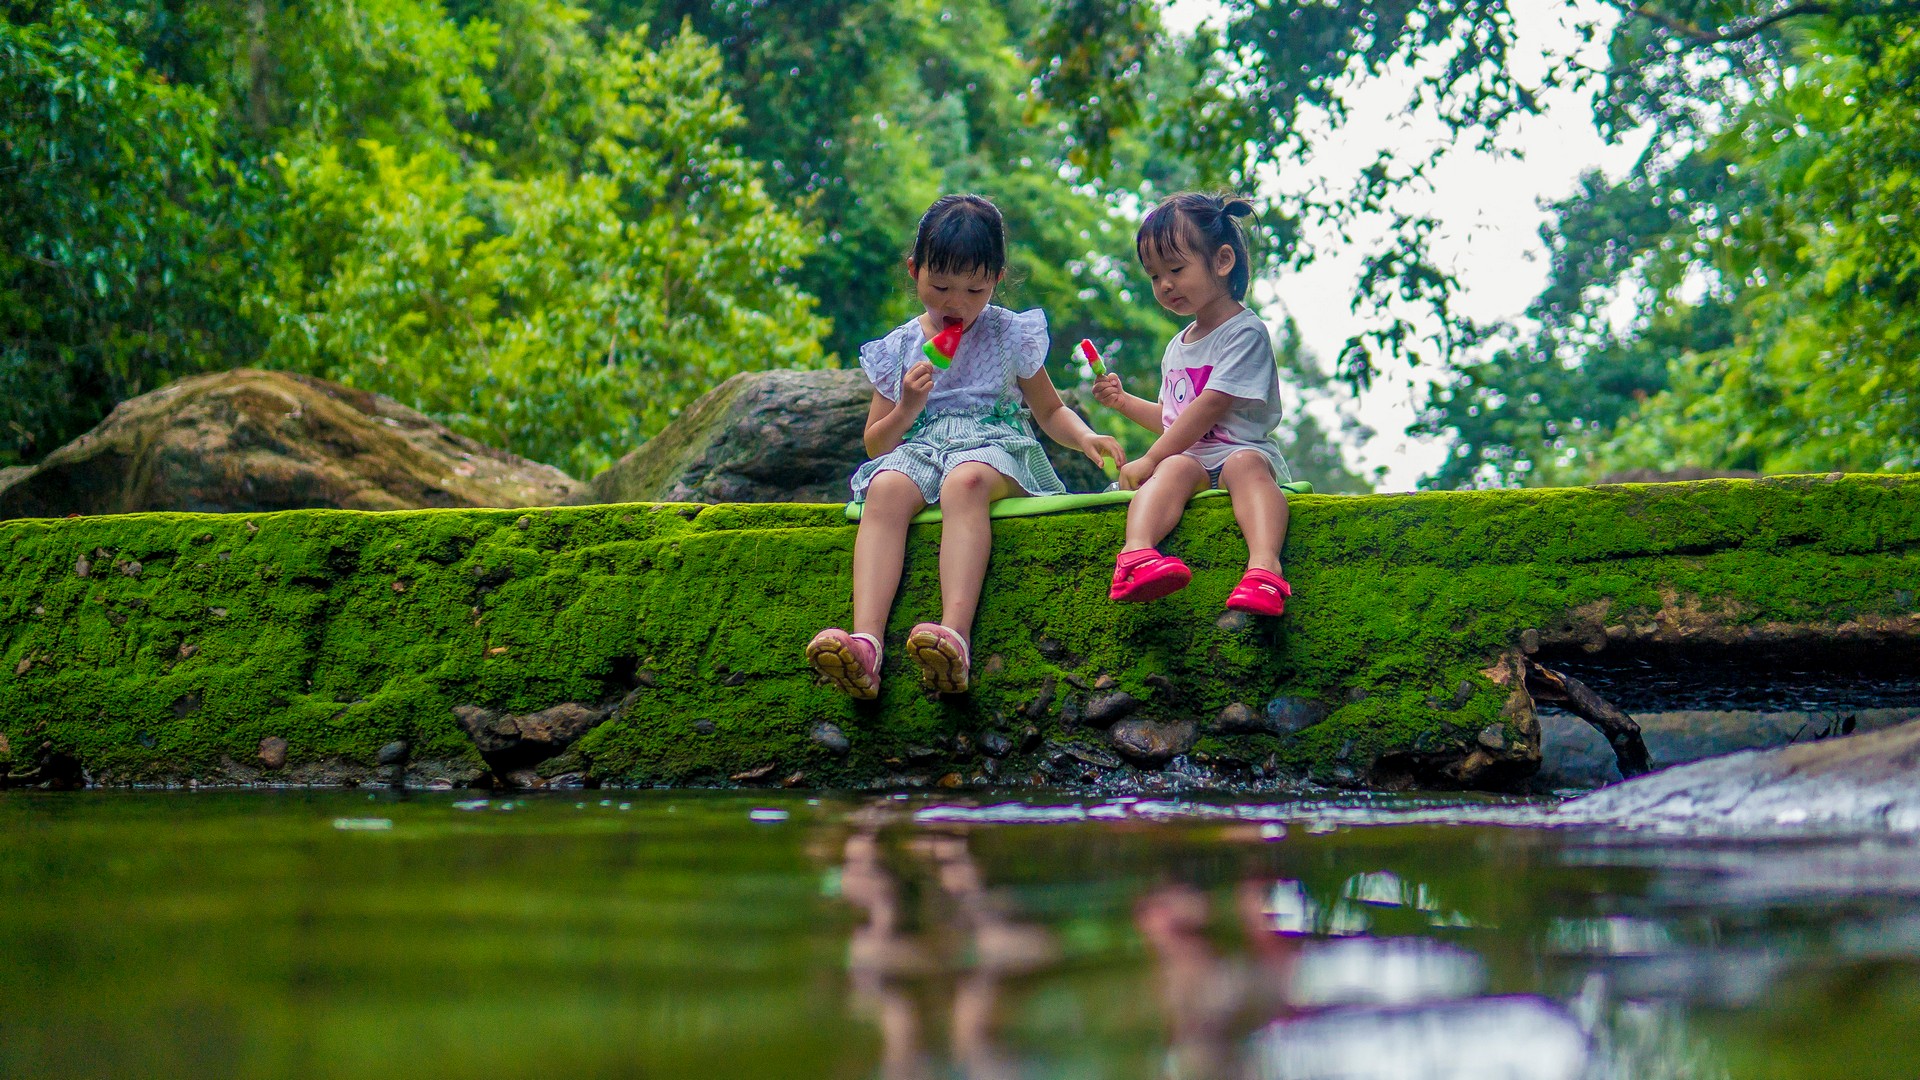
(954, 296)
(1184, 282)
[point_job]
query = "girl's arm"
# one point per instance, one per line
(1063, 425)
(1199, 417)
(888, 421)
(1107, 391)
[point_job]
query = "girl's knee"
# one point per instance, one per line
(1248, 467)
(892, 491)
(971, 482)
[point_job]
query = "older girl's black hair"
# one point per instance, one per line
(960, 234)
(1196, 225)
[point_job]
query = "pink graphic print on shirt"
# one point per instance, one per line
(1181, 387)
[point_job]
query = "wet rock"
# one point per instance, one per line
(394, 753)
(950, 780)
(1109, 707)
(1029, 738)
(1493, 737)
(1855, 782)
(23, 666)
(646, 679)
(830, 736)
(1530, 641)
(738, 678)
(1070, 713)
(567, 781)
(273, 751)
(186, 704)
(995, 665)
(511, 741)
(794, 780)
(132, 568)
(995, 745)
(82, 566)
(920, 755)
(187, 651)
(1051, 649)
(703, 727)
(525, 779)
(1153, 741)
(1289, 714)
(1461, 695)
(1237, 719)
(248, 440)
(1088, 755)
(1105, 682)
(760, 772)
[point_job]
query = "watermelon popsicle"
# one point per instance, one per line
(1094, 361)
(944, 344)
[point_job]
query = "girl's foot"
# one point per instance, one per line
(942, 656)
(1144, 574)
(850, 662)
(1261, 592)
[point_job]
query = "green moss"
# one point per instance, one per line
(342, 631)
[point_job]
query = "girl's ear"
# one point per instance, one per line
(1223, 260)
(913, 270)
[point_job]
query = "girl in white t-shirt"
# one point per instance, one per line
(1219, 403)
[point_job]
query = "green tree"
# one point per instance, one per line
(121, 227)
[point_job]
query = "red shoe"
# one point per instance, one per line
(1261, 592)
(850, 662)
(1144, 574)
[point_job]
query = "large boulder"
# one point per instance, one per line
(253, 441)
(768, 436)
(1869, 782)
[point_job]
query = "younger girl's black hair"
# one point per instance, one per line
(1196, 225)
(960, 234)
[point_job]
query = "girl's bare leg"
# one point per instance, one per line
(966, 539)
(880, 549)
(1259, 506)
(1157, 506)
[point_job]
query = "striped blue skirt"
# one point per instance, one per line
(948, 440)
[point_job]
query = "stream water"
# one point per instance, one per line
(677, 934)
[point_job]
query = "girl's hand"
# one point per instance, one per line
(1107, 391)
(1134, 473)
(916, 385)
(1097, 447)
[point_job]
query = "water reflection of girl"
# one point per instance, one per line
(962, 937)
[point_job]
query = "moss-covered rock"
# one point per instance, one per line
(163, 646)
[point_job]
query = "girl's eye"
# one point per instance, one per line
(976, 292)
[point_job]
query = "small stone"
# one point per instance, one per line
(524, 522)
(705, 727)
(399, 586)
(132, 568)
(1029, 737)
(757, 773)
(994, 744)
(1107, 708)
(1493, 737)
(394, 753)
(186, 704)
(252, 528)
(82, 566)
(995, 665)
(962, 745)
(1233, 620)
(830, 736)
(1287, 715)
(145, 739)
(1042, 701)
(1152, 741)
(1105, 682)
(1077, 682)
(525, 778)
(39, 609)
(951, 780)
(738, 678)
(497, 650)
(187, 650)
(646, 678)
(117, 618)
(217, 612)
(273, 751)
(922, 754)
(23, 666)
(1529, 641)
(794, 780)
(1237, 719)
(1050, 649)
(1070, 712)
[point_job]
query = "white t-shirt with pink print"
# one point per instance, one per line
(1237, 360)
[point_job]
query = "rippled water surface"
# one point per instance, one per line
(685, 935)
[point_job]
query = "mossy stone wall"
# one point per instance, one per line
(167, 646)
